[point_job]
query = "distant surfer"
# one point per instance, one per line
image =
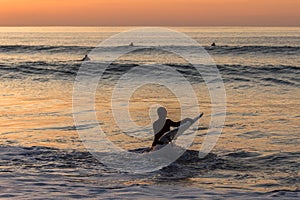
(213, 44)
(85, 58)
(131, 44)
(163, 125)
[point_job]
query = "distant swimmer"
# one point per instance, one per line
(86, 58)
(213, 44)
(131, 44)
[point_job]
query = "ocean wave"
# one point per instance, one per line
(258, 70)
(223, 49)
(76, 164)
(39, 68)
(42, 49)
(268, 74)
(254, 49)
(222, 161)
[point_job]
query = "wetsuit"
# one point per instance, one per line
(160, 130)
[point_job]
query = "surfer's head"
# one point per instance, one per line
(162, 112)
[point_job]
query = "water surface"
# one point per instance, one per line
(257, 155)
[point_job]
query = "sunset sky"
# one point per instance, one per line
(150, 12)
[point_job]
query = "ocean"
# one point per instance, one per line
(255, 157)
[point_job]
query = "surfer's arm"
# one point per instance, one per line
(176, 124)
(172, 123)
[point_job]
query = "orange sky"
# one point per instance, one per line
(150, 12)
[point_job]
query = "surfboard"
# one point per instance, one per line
(173, 134)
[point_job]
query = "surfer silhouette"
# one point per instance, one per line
(163, 125)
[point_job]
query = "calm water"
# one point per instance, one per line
(256, 157)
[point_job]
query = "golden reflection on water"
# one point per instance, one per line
(37, 114)
(40, 114)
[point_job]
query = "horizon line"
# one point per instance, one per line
(150, 26)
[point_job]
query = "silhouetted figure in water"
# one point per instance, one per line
(213, 44)
(163, 125)
(86, 58)
(131, 44)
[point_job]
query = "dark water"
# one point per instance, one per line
(53, 173)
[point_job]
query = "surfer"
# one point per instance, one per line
(131, 44)
(213, 44)
(163, 125)
(86, 58)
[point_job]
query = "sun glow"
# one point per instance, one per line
(150, 12)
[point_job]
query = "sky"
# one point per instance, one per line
(149, 12)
